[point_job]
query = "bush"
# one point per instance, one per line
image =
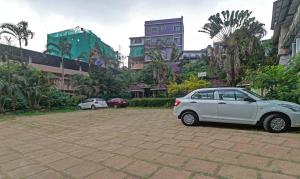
(280, 82)
(176, 90)
(152, 102)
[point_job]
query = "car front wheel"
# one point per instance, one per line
(93, 107)
(276, 123)
(189, 118)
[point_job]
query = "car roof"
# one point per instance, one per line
(220, 88)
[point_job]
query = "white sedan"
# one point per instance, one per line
(93, 103)
(236, 105)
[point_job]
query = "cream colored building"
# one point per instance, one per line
(286, 26)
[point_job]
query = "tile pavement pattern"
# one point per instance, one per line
(142, 143)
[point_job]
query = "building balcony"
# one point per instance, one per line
(137, 66)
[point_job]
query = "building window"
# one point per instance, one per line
(148, 41)
(163, 28)
(153, 41)
(293, 50)
(148, 29)
(176, 40)
(154, 29)
(297, 45)
(177, 28)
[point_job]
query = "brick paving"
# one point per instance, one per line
(142, 143)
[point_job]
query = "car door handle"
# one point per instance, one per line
(193, 102)
(221, 103)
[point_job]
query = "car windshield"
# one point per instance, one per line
(254, 94)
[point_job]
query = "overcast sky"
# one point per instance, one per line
(114, 21)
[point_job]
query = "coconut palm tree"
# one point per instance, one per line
(63, 49)
(19, 31)
(238, 32)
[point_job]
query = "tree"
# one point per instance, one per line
(159, 67)
(63, 48)
(85, 86)
(19, 31)
(239, 33)
(192, 69)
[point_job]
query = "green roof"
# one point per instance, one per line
(137, 51)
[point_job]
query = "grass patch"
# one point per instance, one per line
(12, 116)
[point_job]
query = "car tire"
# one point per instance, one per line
(93, 107)
(276, 123)
(189, 118)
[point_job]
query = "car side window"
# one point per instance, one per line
(203, 95)
(240, 96)
(231, 95)
(227, 95)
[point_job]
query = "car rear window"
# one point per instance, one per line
(203, 95)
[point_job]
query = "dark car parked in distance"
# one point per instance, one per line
(117, 102)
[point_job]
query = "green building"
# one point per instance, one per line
(86, 46)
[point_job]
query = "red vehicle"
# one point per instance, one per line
(117, 102)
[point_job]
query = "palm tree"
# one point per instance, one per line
(159, 66)
(63, 49)
(238, 32)
(19, 31)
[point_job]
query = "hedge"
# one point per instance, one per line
(152, 102)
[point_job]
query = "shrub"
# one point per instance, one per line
(280, 82)
(193, 83)
(152, 102)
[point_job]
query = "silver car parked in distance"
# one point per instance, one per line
(93, 103)
(236, 105)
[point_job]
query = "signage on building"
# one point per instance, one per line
(202, 74)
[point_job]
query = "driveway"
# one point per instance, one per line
(141, 143)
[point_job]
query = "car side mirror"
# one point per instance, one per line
(249, 99)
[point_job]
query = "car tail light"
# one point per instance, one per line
(177, 102)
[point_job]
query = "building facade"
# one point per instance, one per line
(86, 46)
(194, 55)
(286, 26)
(162, 34)
(50, 64)
(137, 53)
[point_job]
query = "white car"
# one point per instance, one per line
(236, 105)
(93, 103)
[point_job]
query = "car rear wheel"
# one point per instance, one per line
(276, 123)
(189, 118)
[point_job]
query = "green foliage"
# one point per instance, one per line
(193, 83)
(25, 89)
(280, 82)
(146, 75)
(152, 102)
(192, 69)
(239, 34)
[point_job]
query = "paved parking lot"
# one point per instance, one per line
(142, 143)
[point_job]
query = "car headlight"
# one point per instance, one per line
(291, 107)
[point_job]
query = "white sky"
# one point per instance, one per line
(115, 21)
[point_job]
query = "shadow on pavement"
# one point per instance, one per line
(241, 127)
